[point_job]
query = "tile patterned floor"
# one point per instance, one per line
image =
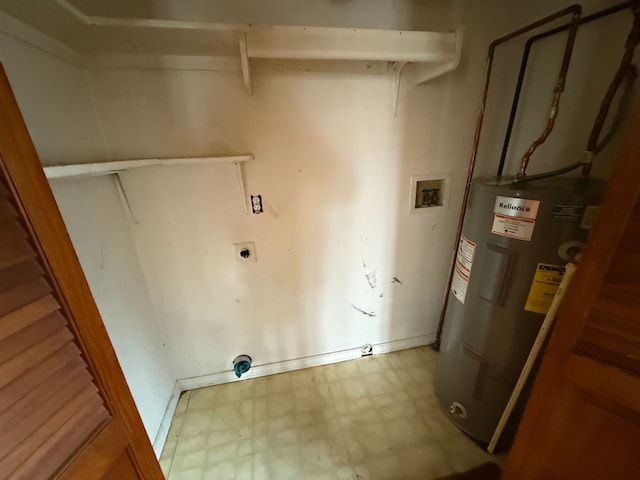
(374, 418)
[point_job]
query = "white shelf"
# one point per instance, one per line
(126, 42)
(118, 168)
(321, 43)
(108, 168)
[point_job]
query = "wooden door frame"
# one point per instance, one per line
(28, 181)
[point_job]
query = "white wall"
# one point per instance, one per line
(328, 176)
(103, 242)
(330, 161)
(333, 165)
(56, 104)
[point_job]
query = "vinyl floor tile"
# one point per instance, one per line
(374, 418)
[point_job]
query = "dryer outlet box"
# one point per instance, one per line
(245, 252)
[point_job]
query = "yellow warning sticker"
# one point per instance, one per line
(543, 287)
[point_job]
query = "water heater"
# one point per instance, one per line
(516, 239)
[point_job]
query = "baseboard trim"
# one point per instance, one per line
(218, 378)
(304, 362)
(165, 424)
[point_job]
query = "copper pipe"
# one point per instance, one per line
(525, 60)
(574, 10)
(555, 104)
(623, 70)
(550, 124)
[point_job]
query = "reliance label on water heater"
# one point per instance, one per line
(515, 217)
(516, 207)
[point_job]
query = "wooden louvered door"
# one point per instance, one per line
(65, 409)
(583, 417)
(48, 401)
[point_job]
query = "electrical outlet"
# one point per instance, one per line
(256, 204)
(245, 252)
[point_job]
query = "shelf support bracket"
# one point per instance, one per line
(397, 67)
(124, 198)
(238, 167)
(244, 63)
(421, 73)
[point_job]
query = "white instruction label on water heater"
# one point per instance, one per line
(462, 268)
(543, 287)
(512, 227)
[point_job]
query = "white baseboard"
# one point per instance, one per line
(273, 368)
(165, 424)
(405, 343)
(304, 362)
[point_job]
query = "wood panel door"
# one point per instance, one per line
(583, 417)
(65, 409)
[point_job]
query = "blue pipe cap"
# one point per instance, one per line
(241, 364)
